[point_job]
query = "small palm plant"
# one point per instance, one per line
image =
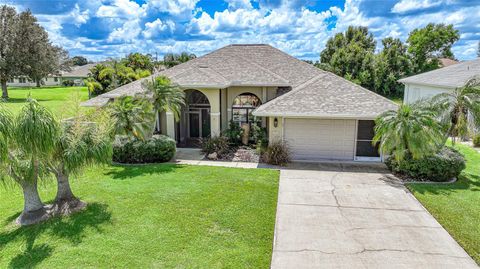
(409, 131)
(27, 142)
(132, 116)
(454, 108)
(166, 95)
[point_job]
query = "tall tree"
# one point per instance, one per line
(79, 60)
(8, 47)
(26, 142)
(171, 59)
(428, 44)
(350, 55)
(38, 57)
(391, 64)
(409, 131)
(138, 61)
(456, 108)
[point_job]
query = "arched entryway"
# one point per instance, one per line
(195, 121)
(243, 106)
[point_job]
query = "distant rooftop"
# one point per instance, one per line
(79, 71)
(452, 76)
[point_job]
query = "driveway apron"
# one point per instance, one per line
(344, 217)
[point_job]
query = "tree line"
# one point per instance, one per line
(114, 73)
(25, 49)
(353, 55)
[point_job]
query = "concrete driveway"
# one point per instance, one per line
(350, 216)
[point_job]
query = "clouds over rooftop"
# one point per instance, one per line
(112, 28)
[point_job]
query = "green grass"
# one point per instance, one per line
(397, 100)
(55, 98)
(457, 206)
(153, 216)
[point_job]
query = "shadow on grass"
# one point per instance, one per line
(123, 172)
(71, 228)
(465, 181)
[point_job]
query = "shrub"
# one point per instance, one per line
(233, 133)
(476, 140)
(68, 83)
(259, 135)
(448, 163)
(94, 88)
(277, 153)
(218, 144)
(159, 148)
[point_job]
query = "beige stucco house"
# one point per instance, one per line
(446, 79)
(78, 74)
(319, 115)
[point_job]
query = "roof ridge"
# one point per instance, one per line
(263, 68)
(438, 69)
(299, 87)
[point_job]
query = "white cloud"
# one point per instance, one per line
(238, 4)
(129, 31)
(158, 26)
(79, 17)
(121, 9)
(411, 5)
(175, 7)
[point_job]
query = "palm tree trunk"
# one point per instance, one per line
(4, 89)
(65, 201)
(34, 210)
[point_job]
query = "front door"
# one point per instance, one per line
(199, 123)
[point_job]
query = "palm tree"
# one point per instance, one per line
(166, 95)
(454, 108)
(81, 143)
(132, 116)
(409, 131)
(27, 141)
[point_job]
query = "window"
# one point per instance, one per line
(243, 106)
(11, 80)
(55, 79)
(365, 134)
(22, 80)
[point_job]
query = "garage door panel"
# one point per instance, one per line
(313, 139)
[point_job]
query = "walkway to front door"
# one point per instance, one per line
(345, 219)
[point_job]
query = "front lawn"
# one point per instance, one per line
(457, 206)
(55, 98)
(150, 216)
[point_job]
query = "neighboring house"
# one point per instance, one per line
(53, 80)
(319, 115)
(428, 84)
(444, 62)
(78, 74)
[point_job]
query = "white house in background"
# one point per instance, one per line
(428, 84)
(78, 74)
(22, 81)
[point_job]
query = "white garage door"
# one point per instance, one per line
(312, 139)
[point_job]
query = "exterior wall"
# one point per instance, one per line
(275, 133)
(49, 81)
(415, 92)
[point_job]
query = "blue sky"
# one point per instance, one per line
(99, 29)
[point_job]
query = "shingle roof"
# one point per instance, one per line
(452, 76)
(79, 71)
(314, 92)
(327, 95)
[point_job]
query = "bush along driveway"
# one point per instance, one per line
(457, 206)
(354, 218)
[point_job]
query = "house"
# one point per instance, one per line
(319, 115)
(78, 74)
(23, 81)
(428, 84)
